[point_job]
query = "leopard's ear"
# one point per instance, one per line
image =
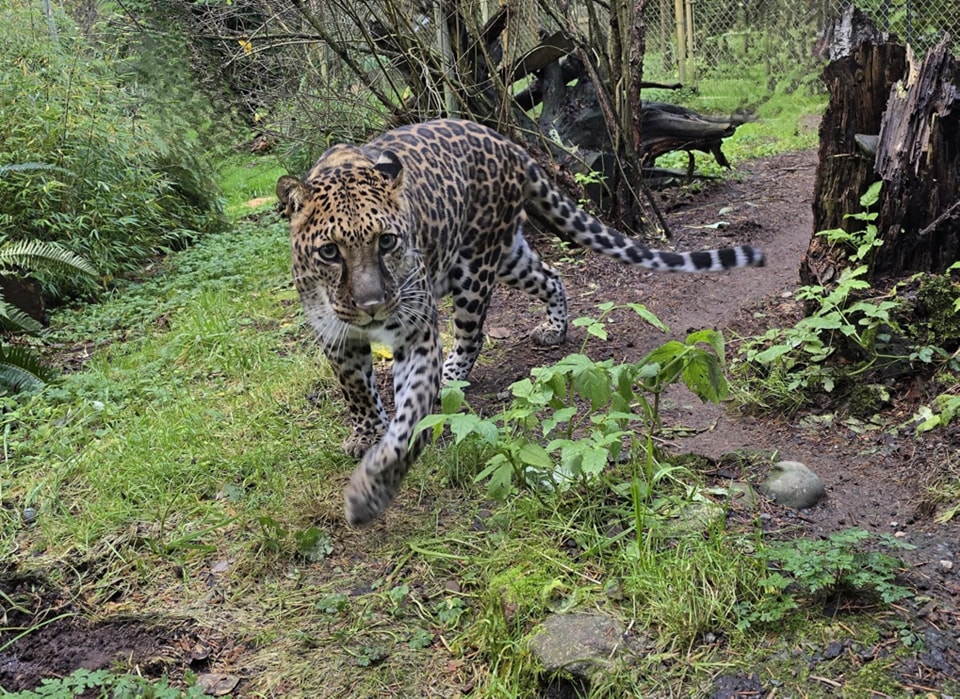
(292, 193)
(390, 166)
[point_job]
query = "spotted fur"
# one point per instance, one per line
(380, 232)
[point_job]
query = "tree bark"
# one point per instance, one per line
(918, 158)
(895, 119)
(859, 84)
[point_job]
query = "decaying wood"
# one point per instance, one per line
(918, 159)
(893, 118)
(859, 84)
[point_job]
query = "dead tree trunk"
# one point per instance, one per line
(859, 82)
(893, 119)
(918, 158)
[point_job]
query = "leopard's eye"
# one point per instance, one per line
(329, 252)
(388, 242)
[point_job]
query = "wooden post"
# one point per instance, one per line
(678, 13)
(446, 55)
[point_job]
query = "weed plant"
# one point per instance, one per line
(853, 335)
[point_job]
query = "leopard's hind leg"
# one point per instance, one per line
(521, 268)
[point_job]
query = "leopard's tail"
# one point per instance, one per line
(556, 210)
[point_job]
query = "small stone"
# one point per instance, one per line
(792, 484)
(742, 493)
(692, 519)
(945, 565)
(29, 515)
(579, 644)
(899, 535)
(833, 650)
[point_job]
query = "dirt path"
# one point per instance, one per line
(874, 479)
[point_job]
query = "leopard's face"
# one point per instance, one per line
(349, 241)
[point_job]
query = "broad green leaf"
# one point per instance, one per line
(534, 455)
(597, 330)
(703, 375)
(593, 385)
(452, 396)
(872, 195)
(666, 356)
(500, 473)
(560, 416)
(771, 353)
(649, 316)
(462, 425)
(435, 421)
(829, 322)
(714, 338)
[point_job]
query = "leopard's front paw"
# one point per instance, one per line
(361, 440)
(547, 334)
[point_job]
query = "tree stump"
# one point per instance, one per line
(918, 159)
(859, 84)
(895, 119)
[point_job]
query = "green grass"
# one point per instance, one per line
(248, 179)
(192, 469)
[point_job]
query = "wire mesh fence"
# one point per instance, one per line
(773, 42)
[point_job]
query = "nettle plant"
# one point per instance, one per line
(852, 330)
(568, 420)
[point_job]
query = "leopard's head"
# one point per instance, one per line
(349, 237)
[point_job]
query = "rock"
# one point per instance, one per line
(742, 494)
(693, 519)
(581, 644)
(792, 484)
(833, 651)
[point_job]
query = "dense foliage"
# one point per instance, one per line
(97, 155)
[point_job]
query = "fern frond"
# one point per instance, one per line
(12, 318)
(22, 369)
(33, 167)
(39, 255)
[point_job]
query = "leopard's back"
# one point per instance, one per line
(462, 182)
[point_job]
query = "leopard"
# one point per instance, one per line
(380, 233)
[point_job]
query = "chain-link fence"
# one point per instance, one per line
(771, 41)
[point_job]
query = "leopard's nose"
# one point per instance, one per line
(370, 304)
(367, 290)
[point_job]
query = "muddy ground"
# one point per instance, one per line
(875, 480)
